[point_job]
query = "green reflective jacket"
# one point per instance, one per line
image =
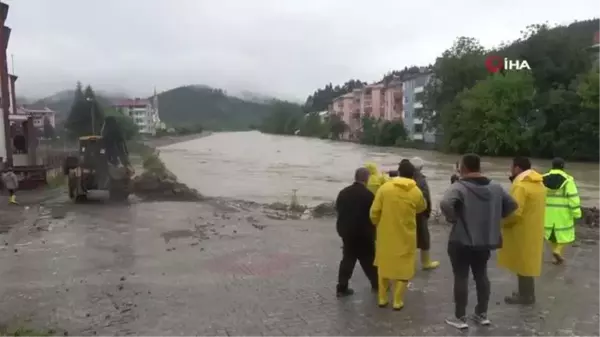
(562, 206)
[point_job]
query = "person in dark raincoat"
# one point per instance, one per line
(354, 226)
(423, 237)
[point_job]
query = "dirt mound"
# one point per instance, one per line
(158, 183)
(325, 209)
(590, 217)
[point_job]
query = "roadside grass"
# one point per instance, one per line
(25, 331)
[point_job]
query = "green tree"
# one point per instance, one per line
(322, 98)
(392, 133)
(493, 117)
(370, 131)
(459, 68)
(588, 137)
(126, 124)
(48, 130)
(86, 116)
(337, 127)
(285, 118)
(313, 126)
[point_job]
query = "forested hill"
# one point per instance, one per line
(548, 111)
(209, 107)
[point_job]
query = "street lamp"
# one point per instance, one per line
(91, 101)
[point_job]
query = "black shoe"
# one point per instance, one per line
(515, 298)
(344, 292)
(558, 259)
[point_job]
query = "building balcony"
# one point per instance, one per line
(419, 90)
(418, 105)
(417, 136)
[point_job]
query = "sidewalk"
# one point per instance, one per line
(197, 269)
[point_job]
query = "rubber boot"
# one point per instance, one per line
(557, 252)
(382, 292)
(399, 290)
(13, 200)
(426, 262)
(526, 293)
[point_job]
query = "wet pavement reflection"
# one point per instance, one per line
(221, 268)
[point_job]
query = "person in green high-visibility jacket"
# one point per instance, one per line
(562, 208)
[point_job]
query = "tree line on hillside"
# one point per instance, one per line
(322, 97)
(551, 110)
(288, 118)
(87, 114)
(212, 108)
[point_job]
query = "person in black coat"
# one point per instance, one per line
(354, 226)
(423, 237)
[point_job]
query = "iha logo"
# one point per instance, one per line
(495, 63)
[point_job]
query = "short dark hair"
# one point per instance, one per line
(522, 162)
(558, 163)
(406, 169)
(361, 175)
(471, 162)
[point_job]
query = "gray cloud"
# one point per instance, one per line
(286, 48)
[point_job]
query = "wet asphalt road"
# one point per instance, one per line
(216, 269)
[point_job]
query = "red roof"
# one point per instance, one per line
(133, 103)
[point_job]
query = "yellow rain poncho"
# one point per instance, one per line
(393, 213)
(376, 179)
(523, 231)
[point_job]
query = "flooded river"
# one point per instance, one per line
(267, 168)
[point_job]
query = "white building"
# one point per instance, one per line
(143, 112)
(39, 116)
(412, 90)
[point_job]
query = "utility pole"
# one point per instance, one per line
(89, 99)
(5, 95)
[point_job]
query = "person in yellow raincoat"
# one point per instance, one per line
(376, 179)
(523, 231)
(394, 212)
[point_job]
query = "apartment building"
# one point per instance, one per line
(376, 100)
(143, 112)
(412, 89)
(39, 116)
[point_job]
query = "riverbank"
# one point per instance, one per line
(169, 140)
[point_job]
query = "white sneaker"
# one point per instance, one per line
(459, 323)
(481, 319)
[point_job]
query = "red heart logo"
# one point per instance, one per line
(494, 63)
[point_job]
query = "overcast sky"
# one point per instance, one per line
(286, 48)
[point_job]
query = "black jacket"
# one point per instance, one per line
(353, 205)
(421, 181)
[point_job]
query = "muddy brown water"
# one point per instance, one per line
(267, 168)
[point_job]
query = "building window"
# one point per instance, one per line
(419, 112)
(418, 128)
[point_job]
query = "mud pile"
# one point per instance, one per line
(158, 183)
(326, 209)
(590, 217)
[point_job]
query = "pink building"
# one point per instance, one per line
(376, 100)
